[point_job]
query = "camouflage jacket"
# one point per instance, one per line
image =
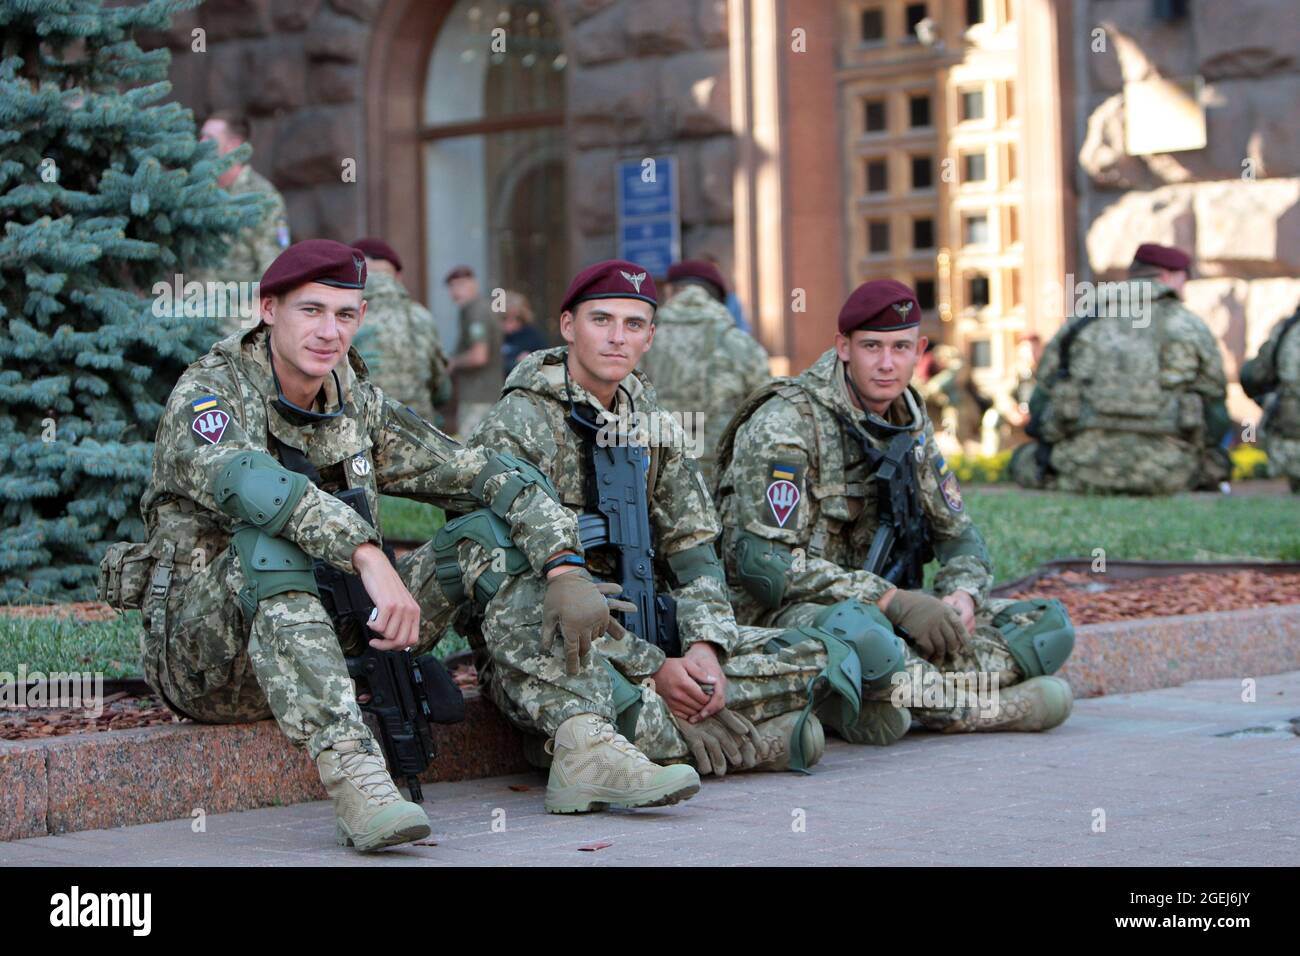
(531, 421)
(405, 355)
(702, 365)
(799, 436)
(1272, 377)
(1109, 386)
(222, 405)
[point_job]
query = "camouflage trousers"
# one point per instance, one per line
(1127, 463)
(210, 662)
(1283, 458)
(531, 688)
(961, 695)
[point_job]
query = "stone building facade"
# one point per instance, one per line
(505, 157)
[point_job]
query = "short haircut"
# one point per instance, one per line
(235, 123)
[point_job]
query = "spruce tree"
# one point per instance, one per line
(104, 191)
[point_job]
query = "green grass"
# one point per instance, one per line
(1025, 530)
(49, 644)
(1022, 531)
(406, 520)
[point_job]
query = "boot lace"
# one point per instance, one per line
(367, 772)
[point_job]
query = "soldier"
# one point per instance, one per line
(476, 366)
(621, 715)
(235, 630)
(832, 490)
(521, 337)
(1131, 398)
(703, 365)
(253, 250)
(411, 366)
(1272, 378)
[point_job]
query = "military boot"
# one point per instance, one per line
(594, 766)
(371, 813)
(1039, 703)
(878, 724)
(779, 734)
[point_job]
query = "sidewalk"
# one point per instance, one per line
(1172, 788)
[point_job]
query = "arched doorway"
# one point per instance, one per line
(466, 113)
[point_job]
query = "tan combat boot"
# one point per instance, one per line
(1039, 703)
(594, 767)
(779, 734)
(371, 813)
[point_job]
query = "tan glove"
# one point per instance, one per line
(578, 607)
(724, 741)
(934, 627)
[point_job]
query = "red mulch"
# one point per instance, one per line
(1095, 598)
(121, 711)
(81, 610)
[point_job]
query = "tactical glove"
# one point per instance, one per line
(725, 740)
(934, 627)
(578, 608)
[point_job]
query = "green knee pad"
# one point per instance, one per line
(490, 532)
(258, 490)
(763, 567)
(1042, 646)
(879, 651)
(271, 566)
(627, 701)
(862, 652)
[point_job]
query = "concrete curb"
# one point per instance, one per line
(121, 778)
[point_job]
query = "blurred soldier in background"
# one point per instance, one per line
(1272, 378)
(1131, 398)
(253, 250)
(405, 355)
(703, 365)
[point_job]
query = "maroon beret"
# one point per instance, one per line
(378, 249)
(315, 260)
(698, 269)
(460, 272)
(611, 279)
(881, 305)
(1164, 257)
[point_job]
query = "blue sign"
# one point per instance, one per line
(649, 221)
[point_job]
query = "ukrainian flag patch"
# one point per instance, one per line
(204, 403)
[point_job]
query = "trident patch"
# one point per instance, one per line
(210, 422)
(783, 495)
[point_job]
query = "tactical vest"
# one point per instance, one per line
(1121, 391)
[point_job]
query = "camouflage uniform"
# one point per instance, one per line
(1143, 408)
(1273, 378)
(207, 652)
(408, 361)
(798, 434)
(478, 388)
(529, 685)
(253, 250)
(701, 364)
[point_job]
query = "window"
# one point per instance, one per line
(923, 233)
(972, 104)
(922, 172)
(973, 167)
(981, 353)
(918, 107)
(915, 14)
(925, 294)
(974, 12)
(877, 176)
(873, 115)
(977, 290)
(976, 229)
(873, 25)
(878, 236)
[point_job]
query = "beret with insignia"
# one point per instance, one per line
(315, 260)
(611, 279)
(881, 305)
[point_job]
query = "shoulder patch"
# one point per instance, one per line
(210, 421)
(783, 492)
(951, 492)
